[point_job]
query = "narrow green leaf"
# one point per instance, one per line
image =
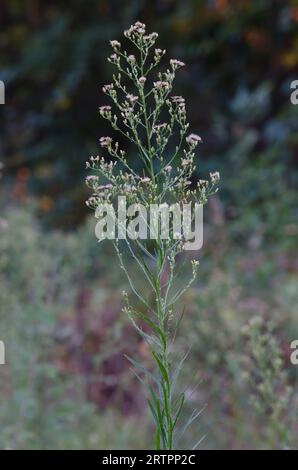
(157, 439)
(162, 370)
(182, 400)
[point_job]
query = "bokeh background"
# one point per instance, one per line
(66, 383)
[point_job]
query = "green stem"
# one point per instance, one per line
(164, 365)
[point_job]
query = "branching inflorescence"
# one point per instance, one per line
(144, 111)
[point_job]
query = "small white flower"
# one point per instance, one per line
(158, 127)
(186, 162)
(142, 80)
(159, 52)
(108, 88)
(193, 139)
(139, 27)
(176, 63)
(132, 98)
(215, 177)
(113, 58)
(115, 44)
(105, 110)
(92, 179)
(105, 141)
(153, 36)
(161, 85)
(131, 59)
(178, 99)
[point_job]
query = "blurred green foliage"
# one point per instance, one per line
(56, 355)
(66, 384)
(241, 57)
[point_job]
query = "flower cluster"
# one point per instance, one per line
(130, 116)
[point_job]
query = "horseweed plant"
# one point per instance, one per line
(271, 393)
(150, 117)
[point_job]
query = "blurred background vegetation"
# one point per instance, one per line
(66, 383)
